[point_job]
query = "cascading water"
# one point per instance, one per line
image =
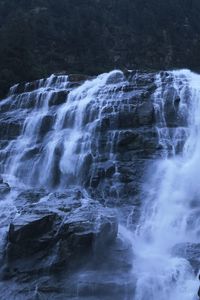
(101, 133)
(170, 213)
(57, 142)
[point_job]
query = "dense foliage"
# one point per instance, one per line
(39, 37)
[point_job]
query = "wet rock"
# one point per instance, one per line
(144, 141)
(174, 115)
(4, 188)
(58, 98)
(122, 124)
(29, 226)
(10, 129)
(101, 286)
(30, 153)
(29, 197)
(189, 251)
(83, 252)
(115, 77)
(127, 120)
(46, 124)
(62, 230)
(27, 234)
(18, 88)
(78, 77)
(145, 113)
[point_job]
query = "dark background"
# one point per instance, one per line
(39, 37)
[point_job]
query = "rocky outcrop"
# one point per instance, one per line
(67, 236)
(72, 226)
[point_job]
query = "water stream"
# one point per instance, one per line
(170, 212)
(56, 144)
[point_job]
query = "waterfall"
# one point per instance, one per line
(170, 211)
(56, 143)
(100, 135)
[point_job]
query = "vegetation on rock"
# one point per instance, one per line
(39, 37)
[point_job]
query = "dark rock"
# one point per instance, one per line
(115, 77)
(6, 273)
(31, 153)
(62, 230)
(175, 115)
(29, 226)
(58, 98)
(46, 124)
(145, 113)
(29, 197)
(18, 88)
(4, 188)
(78, 77)
(103, 285)
(10, 129)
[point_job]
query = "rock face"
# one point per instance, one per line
(66, 224)
(101, 133)
(66, 232)
(116, 131)
(76, 150)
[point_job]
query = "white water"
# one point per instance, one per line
(56, 157)
(170, 213)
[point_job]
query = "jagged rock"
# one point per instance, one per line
(29, 226)
(87, 239)
(61, 229)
